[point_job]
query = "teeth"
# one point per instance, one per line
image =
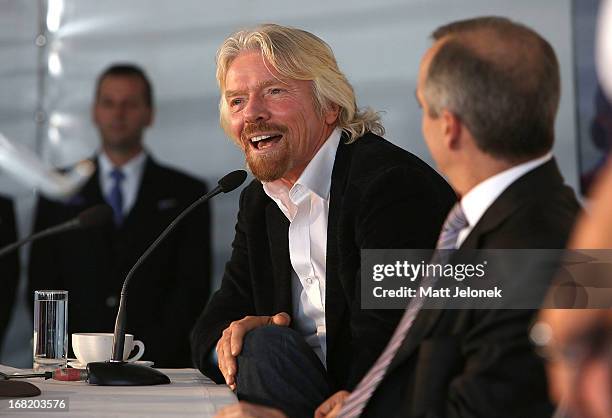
(259, 138)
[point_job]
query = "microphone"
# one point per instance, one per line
(117, 372)
(94, 216)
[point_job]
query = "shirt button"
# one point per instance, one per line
(111, 301)
(309, 280)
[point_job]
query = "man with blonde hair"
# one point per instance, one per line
(287, 325)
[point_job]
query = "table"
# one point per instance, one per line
(189, 394)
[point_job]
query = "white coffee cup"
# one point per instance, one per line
(89, 347)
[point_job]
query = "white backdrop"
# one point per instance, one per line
(378, 45)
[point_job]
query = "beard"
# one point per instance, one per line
(273, 164)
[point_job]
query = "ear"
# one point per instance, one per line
(331, 113)
(451, 129)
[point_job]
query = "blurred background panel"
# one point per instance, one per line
(378, 45)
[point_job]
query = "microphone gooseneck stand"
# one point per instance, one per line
(117, 372)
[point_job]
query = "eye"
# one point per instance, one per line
(236, 102)
(275, 90)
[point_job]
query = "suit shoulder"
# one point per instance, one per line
(553, 209)
(374, 158)
(378, 153)
(544, 221)
(176, 178)
(370, 145)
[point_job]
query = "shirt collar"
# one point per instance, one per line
(131, 169)
(315, 178)
(477, 201)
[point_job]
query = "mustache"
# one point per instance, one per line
(252, 128)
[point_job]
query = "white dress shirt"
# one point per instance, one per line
(130, 185)
(306, 206)
(476, 202)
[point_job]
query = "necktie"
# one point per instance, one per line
(115, 197)
(356, 402)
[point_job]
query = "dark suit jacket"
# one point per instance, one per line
(381, 197)
(9, 264)
(479, 363)
(168, 291)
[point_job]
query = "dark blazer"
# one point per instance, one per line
(381, 197)
(479, 363)
(9, 264)
(168, 291)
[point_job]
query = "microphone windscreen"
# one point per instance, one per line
(232, 180)
(95, 216)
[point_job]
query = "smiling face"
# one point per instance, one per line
(273, 119)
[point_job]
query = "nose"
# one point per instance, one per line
(121, 110)
(256, 110)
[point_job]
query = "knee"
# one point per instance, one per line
(267, 340)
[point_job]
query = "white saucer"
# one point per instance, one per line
(76, 365)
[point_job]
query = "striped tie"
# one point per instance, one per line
(356, 402)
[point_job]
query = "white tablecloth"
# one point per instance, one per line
(190, 394)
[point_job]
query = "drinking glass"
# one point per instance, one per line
(50, 329)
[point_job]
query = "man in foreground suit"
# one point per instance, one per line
(489, 89)
(170, 289)
(327, 186)
(9, 264)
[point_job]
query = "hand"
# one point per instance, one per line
(331, 407)
(230, 343)
(249, 410)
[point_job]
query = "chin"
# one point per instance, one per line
(269, 167)
(266, 171)
(266, 175)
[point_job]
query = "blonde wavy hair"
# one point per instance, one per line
(299, 55)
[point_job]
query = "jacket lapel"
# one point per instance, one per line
(278, 235)
(334, 312)
(423, 324)
(147, 194)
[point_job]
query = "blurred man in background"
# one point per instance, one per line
(170, 289)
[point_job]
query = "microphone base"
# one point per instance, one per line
(124, 374)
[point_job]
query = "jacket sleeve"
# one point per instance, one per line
(233, 301)
(403, 207)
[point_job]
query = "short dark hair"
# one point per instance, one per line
(502, 79)
(127, 70)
